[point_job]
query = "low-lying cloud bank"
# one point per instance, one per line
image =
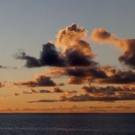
(94, 93)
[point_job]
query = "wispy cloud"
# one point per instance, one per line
(40, 101)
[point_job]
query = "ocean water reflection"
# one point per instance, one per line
(67, 124)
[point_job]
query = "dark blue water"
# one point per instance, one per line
(67, 124)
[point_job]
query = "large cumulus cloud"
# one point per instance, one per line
(75, 51)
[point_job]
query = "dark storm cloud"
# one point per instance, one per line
(48, 57)
(51, 57)
(30, 61)
(77, 58)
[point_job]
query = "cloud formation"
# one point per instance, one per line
(72, 36)
(72, 56)
(101, 35)
(100, 75)
(108, 90)
(128, 55)
(88, 97)
(95, 93)
(79, 74)
(75, 50)
(76, 60)
(42, 91)
(40, 81)
(32, 91)
(57, 90)
(41, 101)
(119, 77)
(49, 56)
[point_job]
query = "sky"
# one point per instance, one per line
(67, 56)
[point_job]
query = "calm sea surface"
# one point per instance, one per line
(67, 124)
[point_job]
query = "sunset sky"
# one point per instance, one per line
(67, 56)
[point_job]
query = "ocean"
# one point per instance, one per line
(67, 124)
